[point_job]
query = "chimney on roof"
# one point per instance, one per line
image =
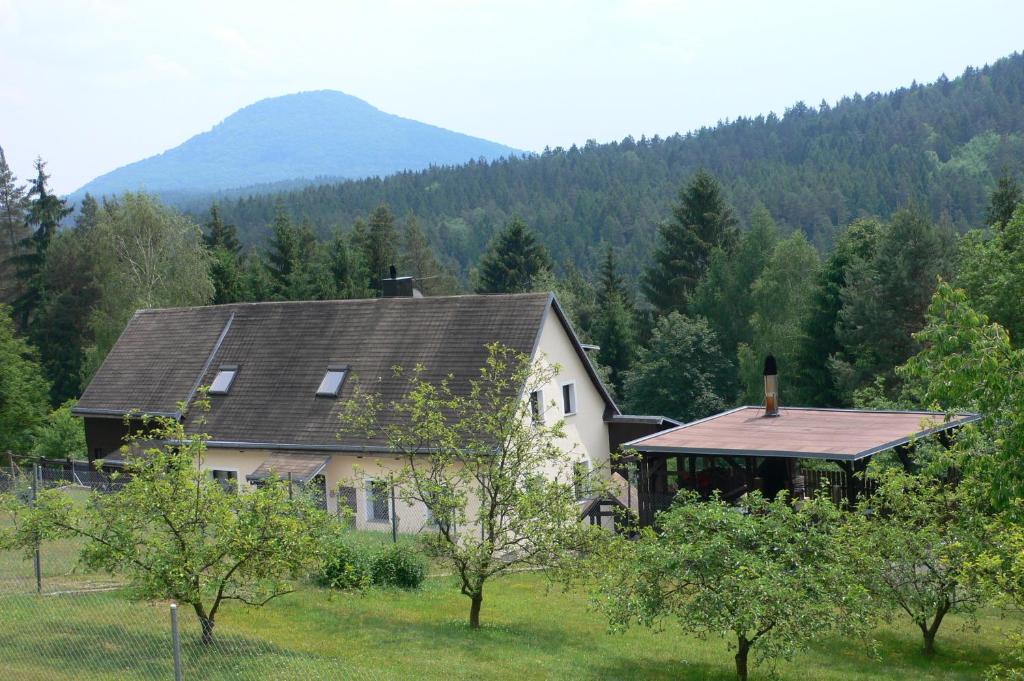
(399, 287)
(771, 387)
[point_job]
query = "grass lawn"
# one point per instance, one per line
(530, 632)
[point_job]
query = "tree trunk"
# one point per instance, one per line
(742, 648)
(476, 600)
(206, 623)
(929, 632)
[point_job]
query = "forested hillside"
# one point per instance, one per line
(282, 139)
(937, 146)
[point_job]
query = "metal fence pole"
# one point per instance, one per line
(36, 557)
(176, 642)
(394, 515)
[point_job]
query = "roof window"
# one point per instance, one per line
(333, 379)
(223, 380)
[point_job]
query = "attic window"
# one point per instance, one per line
(330, 386)
(223, 380)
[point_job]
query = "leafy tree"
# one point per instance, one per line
(23, 390)
(885, 298)
(770, 579)
(724, 297)
(45, 211)
(968, 364)
(1004, 200)
(176, 534)
(992, 272)
(147, 256)
(477, 460)
(781, 303)
(820, 343)
(61, 435)
(920, 530)
(701, 222)
(13, 229)
(513, 260)
(681, 372)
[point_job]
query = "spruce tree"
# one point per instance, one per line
(379, 246)
(335, 280)
(701, 221)
(220, 234)
(1004, 200)
(45, 211)
(512, 261)
(13, 228)
(419, 261)
(290, 257)
(613, 326)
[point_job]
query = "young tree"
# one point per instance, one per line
(701, 221)
(496, 480)
(177, 534)
(919, 532)
(770, 578)
(513, 260)
(60, 436)
(13, 229)
(681, 373)
(45, 211)
(23, 390)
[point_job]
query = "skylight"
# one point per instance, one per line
(330, 386)
(223, 380)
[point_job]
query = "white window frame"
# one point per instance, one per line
(332, 369)
(368, 501)
(226, 469)
(224, 369)
(572, 398)
(536, 408)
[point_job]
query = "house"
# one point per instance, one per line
(279, 372)
(767, 448)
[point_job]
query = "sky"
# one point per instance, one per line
(90, 86)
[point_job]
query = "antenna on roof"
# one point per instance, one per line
(771, 386)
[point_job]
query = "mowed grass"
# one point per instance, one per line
(531, 631)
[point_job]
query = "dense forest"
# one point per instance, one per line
(937, 147)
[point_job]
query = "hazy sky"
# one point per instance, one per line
(91, 86)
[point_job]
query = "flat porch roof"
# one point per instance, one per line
(799, 433)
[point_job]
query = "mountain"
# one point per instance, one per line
(322, 134)
(938, 146)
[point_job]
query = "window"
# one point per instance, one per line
(378, 501)
(536, 406)
(330, 386)
(569, 399)
(223, 380)
(227, 479)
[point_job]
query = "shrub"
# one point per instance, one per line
(347, 567)
(398, 565)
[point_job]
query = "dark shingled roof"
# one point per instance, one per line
(283, 349)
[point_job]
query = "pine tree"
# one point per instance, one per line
(220, 234)
(335, 279)
(13, 229)
(45, 211)
(379, 246)
(513, 259)
(419, 261)
(611, 282)
(1004, 200)
(613, 326)
(287, 259)
(701, 221)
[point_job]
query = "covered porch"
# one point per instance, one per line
(745, 449)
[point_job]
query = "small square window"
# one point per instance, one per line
(223, 380)
(227, 479)
(331, 384)
(569, 399)
(536, 406)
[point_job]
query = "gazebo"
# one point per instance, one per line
(762, 448)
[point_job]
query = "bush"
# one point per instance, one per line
(347, 568)
(400, 566)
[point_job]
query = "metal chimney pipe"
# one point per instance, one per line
(771, 387)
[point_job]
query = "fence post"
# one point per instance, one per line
(176, 642)
(289, 485)
(36, 558)
(394, 514)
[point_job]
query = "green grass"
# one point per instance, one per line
(530, 632)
